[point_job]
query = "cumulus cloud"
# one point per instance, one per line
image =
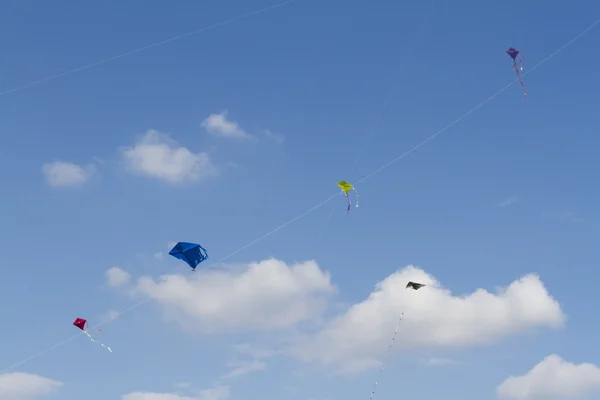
(63, 174)
(433, 317)
(266, 295)
(157, 156)
(219, 125)
(551, 379)
(22, 386)
(215, 393)
(116, 276)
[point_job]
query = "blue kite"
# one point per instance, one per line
(192, 253)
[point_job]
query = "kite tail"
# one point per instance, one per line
(522, 84)
(91, 330)
(386, 358)
(356, 196)
(519, 74)
(349, 204)
(95, 341)
(521, 61)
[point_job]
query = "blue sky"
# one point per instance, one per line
(222, 136)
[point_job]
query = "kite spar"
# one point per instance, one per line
(81, 324)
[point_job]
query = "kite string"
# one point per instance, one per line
(393, 89)
(147, 47)
(322, 203)
(387, 356)
(379, 117)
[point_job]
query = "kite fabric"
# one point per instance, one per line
(414, 285)
(81, 324)
(514, 53)
(346, 188)
(191, 253)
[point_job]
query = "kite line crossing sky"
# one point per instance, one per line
(148, 47)
(289, 222)
(376, 122)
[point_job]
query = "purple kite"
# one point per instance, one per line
(514, 53)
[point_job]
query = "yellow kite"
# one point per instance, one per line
(346, 188)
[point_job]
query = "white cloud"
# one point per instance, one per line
(552, 378)
(508, 201)
(116, 276)
(215, 393)
(219, 125)
(63, 174)
(266, 295)
(157, 156)
(433, 317)
(241, 368)
(275, 136)
(22, 386)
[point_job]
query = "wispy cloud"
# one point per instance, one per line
(110, 315)
(274, 136)
(565, 217)
(255, 351)
(508, 201)
(241, 368)
(438, 362)
(183, 385)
